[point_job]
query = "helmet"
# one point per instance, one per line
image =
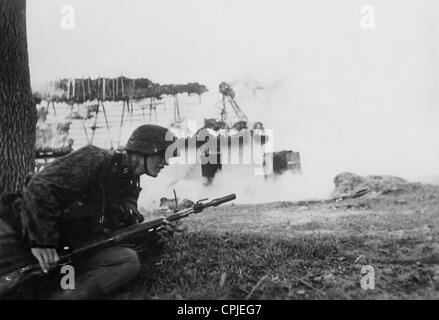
(150, 139)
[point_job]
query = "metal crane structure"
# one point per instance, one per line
(229, 99)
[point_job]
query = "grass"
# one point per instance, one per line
(229, 266)
(194, 266)
(302, 250)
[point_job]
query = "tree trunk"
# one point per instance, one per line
(17, 109)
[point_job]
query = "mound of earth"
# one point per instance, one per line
(348, 184)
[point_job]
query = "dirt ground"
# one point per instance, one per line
(304, 250)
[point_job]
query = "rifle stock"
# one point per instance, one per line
(19, 273)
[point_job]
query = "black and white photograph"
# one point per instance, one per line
(219, 153)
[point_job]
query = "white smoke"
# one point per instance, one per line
(374, 140)
(345, 98)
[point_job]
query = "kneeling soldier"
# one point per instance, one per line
(87, 194)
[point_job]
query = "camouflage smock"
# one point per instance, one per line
(79, 197)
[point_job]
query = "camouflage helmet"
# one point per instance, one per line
(150, 139)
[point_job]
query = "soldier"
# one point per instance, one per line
(86, 194)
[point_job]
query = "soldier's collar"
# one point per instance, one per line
(124, 160)
(121, 159)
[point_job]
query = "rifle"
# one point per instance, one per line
(17, 274)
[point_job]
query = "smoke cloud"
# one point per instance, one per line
(347, 99)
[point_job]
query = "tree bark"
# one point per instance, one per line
(17, 110)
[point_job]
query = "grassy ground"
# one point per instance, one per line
(304, 250)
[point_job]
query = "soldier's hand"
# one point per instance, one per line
(168, 230)
(177, 227)
(47, 257)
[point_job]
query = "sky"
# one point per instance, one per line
(347, 98)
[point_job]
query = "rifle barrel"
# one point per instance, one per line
(116, 236)
(222, 200)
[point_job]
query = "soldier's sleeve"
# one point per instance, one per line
(55, 187)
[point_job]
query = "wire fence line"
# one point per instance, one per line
(112, 128)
